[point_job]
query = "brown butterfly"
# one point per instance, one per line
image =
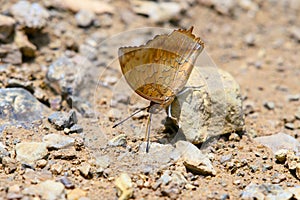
(159, 70)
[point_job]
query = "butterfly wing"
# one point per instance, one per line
(160, 68)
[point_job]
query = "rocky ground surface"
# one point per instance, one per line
(61, 91)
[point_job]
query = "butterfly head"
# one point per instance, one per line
(156, 107)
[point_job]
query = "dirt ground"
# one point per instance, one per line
(258, 46)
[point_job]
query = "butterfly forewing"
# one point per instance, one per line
(160, 68)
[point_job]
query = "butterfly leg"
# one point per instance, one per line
(147, 136)
(169, 113)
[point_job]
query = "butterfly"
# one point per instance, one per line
(159, 70)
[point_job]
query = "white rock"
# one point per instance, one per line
(194, 159)
(279, 141)
(84, 18)
(58, 141)
(48, 190)
(157, 11)
(29, 152)
(213, 107)
(124, 186)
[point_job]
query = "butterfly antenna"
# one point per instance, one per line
(136, 112)
(147, 136)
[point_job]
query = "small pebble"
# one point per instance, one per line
(76, 129)
(165, 178)
(266, 167)
(119, 140)
(140, 183)
(289, 126)
(41, 163)
(124, 186)
(63, 120)
(280, 155)
(295, 33)
(253, 168)
(56, 168)
(269, 105)
(85, 169)
(234, 137)
(225, 158)
(84, 18)
(249, 39)
(58, 141)
(78, 143)
(293, 97)
(67, 183)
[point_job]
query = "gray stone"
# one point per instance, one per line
(63, 120)
(211, 108)
(104, 21)
(72, 75)
(58, 141)
(76, 129)
(194, 159)
(3, 151)
(178, 178)
(85, 169)
(265, 191)
(293, 97)
(83, 106)
(157, 11)
(159, 152)
(250, 39)
(279, 141)
(32, 16)
(97, 7)
(296, 191)
(165, 178)
(223, 7)
(48, 190)
(295, 33)
(269, 105)
(103, 161)
(84, 18)
(7, 25)
(55, 102)
(88, 51)
(67, 183)
(29, 152)
(289, 126)
(226, 158)
(10, 53)
(119, 98)
(18, 106)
